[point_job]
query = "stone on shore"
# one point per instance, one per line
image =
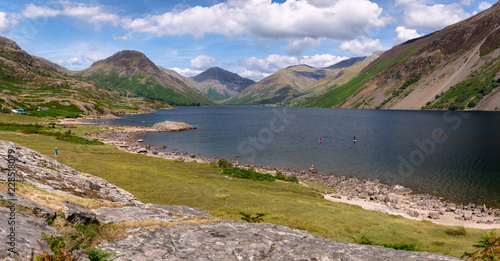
(172, 126)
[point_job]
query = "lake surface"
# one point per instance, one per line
(455, 155)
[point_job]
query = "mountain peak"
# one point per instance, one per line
(220, 84)
(9, 43)
(299, 65)
(125, 57)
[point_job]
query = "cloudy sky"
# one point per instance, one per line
(253, 38)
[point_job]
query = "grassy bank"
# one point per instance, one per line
(155, 180)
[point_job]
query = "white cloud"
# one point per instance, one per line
(419, 15)
(292, 20)
(202, 62)
(405, 34)
(483, 6)
(91, 14)
(186, 72)
(125, 37)
(254, 75)
(364, 47)
(4, 23)
(297, 46)
(300, 23)
(91, 57)
(32, 11)
(256, 66)
(71, 61)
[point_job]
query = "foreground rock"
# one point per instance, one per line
(48, 174)
(27, 231)
(246, 241)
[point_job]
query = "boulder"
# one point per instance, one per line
(40, 210)
(433, 215)
(398, 189)
(467, 216)
(392, 198)
(76, 213)
(247, 241)
(412, 213)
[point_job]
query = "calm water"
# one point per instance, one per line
(454, 155)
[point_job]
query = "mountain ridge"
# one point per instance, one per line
(453, 68)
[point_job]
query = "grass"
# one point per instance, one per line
(155, 180)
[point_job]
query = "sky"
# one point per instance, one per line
(253, 38)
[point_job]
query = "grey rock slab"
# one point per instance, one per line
(132, 214)
(76, 213)
(181, 210)
(40, 209)
(27, 231)
(46, 173)
(247, 241)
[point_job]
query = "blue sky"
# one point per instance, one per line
(253, 38)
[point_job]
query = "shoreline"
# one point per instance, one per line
(369, 194)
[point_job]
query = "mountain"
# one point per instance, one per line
(454, 68)
(132, 73)
(29, 82)
(296, 84)
(346, 63)
(219, 84)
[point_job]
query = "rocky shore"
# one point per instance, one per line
(370, 194)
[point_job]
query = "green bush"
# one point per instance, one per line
(458, 231)
(252, 219)
(60, 250)
(489, 248)
(96, 254)
(223, 163)
(398, 246)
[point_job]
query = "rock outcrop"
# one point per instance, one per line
(247, 241)
(172, 126)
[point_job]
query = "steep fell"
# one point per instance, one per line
(454, 68)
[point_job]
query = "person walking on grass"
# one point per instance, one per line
(55, 152)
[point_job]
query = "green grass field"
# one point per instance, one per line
(155, 180)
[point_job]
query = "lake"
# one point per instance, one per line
(455, 155)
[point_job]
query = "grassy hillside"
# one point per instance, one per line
(339, 95)
(298, 206)
(42, 88)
